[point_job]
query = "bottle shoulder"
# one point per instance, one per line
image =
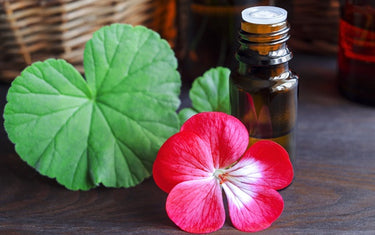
(285, 81)
(265, 73)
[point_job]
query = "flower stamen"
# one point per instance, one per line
(221, 175)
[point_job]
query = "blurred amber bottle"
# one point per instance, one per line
(208, 34)
(165, 20)
(356, 57)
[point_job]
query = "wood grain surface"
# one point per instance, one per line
(333, 191)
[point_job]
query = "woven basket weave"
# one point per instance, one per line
(38, 29)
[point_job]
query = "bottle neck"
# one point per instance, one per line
(263, 45)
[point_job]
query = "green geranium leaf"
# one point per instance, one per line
(209, 93)
(103, 131)
(185, 114)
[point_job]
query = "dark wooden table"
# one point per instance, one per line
(333, 191)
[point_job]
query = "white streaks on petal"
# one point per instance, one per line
(236, 195)
(247, 171)
(240, 179)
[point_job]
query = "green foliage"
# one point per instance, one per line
(106, 130)
(209, 92)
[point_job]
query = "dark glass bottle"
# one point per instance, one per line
(356, 57)
(263, 89)
(207, 38)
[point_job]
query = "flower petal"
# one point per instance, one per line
(197, 206)
(253, 208)
(265, 163)
(184, 156)
(227, 136)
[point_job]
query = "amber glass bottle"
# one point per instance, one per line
(356, 57)
(263, 89)
(207, 34)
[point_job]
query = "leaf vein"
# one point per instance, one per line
(68, 80)
(50, 94)
(112, 59)
(54, 139)
(119, 141)
(138, 50)
(130, 73)
(135, 121)
(42, 79)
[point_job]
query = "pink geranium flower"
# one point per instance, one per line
(210, 154)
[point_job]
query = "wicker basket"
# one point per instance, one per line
(38, 29)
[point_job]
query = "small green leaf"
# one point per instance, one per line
(209, 92)
(186, 113)
(103, 131)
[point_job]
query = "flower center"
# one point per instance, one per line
(220, 175)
